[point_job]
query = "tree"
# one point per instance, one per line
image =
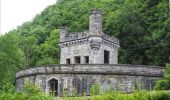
(30, 50)
(10, 60)
(50, 52)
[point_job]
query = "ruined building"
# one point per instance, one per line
(87, 58)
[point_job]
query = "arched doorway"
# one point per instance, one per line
(53, 86)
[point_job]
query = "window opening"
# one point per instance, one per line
(67, 61)
(77, 60)
(106, 56)
(86, 58)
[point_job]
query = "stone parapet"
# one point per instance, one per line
(75, 36)
(111, 39)
(117, 69)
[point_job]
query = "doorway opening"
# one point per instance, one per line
(53, 85)
(106, 56)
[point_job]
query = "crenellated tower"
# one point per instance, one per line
(89, 47)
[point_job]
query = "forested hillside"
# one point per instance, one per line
(142, 26)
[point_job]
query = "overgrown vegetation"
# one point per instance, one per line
(138, 95)
(164, 84)
(142, 26)
(30, 92)
(95, 89)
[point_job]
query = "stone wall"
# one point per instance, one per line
(93, 47)
(79, 78)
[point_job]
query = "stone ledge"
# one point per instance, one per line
(117, 69)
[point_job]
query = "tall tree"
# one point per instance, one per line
(10, 60)
(30, 50)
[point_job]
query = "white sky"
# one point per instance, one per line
(15, 12)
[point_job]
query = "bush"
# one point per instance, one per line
(160, 95)
(31, 92)
(95, 89)
(163, 85)
(141, 95)
(167, 72)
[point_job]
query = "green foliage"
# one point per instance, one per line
(95, 89)
(167, 72)
(142, 26)
(10, 60)
(30, 50)
(31, 92)
(164, 84)
(140, 95)
(31, 89)
(50, 52)
(162, 95)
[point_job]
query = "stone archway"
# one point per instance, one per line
(53, 86)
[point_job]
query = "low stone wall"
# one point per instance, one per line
(118, 69)
(80, 77)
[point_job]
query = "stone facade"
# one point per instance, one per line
(93, 45)
(87, 58)
(79, 77)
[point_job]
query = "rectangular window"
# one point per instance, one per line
(86, 59)
(77, 60)
(106, 56)
(67, 61)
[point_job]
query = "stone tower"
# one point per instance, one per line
(89, 47)
(95, 23)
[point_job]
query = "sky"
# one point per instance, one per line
(14, 13)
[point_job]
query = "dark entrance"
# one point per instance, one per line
(106, 56)
(53, 83)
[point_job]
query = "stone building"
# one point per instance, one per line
(87, 58)
(89, 47)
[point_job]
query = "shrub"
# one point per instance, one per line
(167, 72)
(95, 89)
(31, 92)
(163, 85)
(141, 95)
(31, 89)
(160, 95)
